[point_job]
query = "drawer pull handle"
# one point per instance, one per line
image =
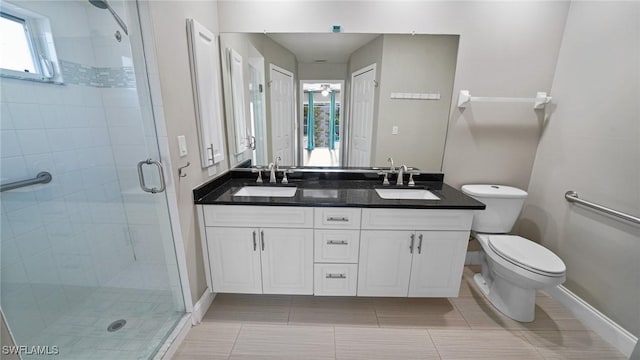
(334, 218)
(334, 242)
(420, 244)
(262, 239)
(413, 239)
(254, 241)
(336, 276)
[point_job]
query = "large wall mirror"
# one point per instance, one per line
(338, 99)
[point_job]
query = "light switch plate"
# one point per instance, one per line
(394, 130)
(182, 145)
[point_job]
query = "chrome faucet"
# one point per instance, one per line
(272, 170)
(392, 169)
(401, 170)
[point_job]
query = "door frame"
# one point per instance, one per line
(300, 126)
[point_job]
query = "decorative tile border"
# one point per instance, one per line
(101, 77)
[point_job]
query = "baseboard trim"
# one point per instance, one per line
(608, 329)
(473, 258)
(171, 345)
(200, 308)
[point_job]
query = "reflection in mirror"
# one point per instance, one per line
(321, 104)
(391, 98)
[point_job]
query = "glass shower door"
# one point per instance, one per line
(88, 265)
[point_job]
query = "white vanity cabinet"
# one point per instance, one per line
(417, 253)
(260, 249)
(335, 251)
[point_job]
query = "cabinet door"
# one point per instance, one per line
(234, 261)
(438, 261)
(385, 263)
(287, 261)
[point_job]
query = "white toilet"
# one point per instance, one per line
(512, 267)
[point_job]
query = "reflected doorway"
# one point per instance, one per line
(322, 120)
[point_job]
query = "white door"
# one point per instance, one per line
(287, 261)
(234, 255)
(282, 114)
(385, 263)
(438, 261)
(240, 123)
(258, 117)
(362, 101)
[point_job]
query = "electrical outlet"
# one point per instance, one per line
(394, 130)
(182, 145)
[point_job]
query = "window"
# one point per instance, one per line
(26, 46)
(15, 44)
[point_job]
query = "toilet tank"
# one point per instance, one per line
(504, 204)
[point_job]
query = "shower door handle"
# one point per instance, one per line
(143, 185)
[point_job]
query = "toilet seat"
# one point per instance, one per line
(527, 254)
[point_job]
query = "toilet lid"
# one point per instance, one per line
(526, 254)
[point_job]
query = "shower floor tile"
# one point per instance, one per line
(83, 335)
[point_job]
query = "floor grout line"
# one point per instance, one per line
(235, 341)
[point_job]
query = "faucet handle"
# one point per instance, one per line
(259, 171)
(392, 168)
(411, 182)
(385, 181)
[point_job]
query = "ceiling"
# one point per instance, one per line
(332, 47)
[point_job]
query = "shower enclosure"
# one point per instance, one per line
(88, 262)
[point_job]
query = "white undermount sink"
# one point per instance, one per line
(271, 191)
(407, 194)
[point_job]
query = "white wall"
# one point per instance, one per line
(591, 144)
(170, 38)
(506, 49)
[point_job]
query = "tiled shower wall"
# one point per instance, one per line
(61, 239)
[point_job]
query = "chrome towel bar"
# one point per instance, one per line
(572, 196)
(43, 177)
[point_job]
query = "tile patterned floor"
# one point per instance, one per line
(307, 327)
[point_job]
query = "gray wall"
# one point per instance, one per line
(322, 71)
(415, 64)
(169, 26)
(590, 144)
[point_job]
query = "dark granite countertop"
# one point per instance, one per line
(332, 190)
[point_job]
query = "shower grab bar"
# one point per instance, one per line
(43, 177)
(572, 197)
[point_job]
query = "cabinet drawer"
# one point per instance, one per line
(258, 216)
(336, 246)
(337, 218)
(410, 219)
(335, 279)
